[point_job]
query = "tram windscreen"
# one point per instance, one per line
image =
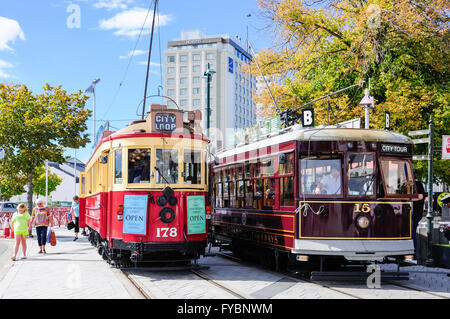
(321, 176)
(166, 166)
(192, 167)
(360, 172)
(139, 166)
(397, 176)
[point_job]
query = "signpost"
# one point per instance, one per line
(428, 157)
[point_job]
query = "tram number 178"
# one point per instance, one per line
(166, 232)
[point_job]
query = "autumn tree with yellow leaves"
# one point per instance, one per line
(324, 46)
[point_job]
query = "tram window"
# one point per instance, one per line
(257, 169)
(166, 166)
(139, 166)
(321, 176)
(192, 167)
(267, 167)
(232, 190)
(83, 185)
(269, 192)
(248, 194)
(247, 171)
(226, 200)
(240, 172)
(240, 194)
(218, 195)
(118, 167)
(397, 176)
(231, 174)
(225, 175)
(287, 167)
(218, 176)
(258, 194)
(361, 178)
(287, 191)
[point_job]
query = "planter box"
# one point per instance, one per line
(441, 255)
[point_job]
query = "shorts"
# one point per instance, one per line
(24, 233)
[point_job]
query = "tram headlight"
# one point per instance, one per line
(363, 222)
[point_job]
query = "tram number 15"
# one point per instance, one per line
(365, 208)
(166, 232)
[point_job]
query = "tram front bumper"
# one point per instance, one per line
(354, 249)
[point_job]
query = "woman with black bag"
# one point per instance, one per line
(74, 213)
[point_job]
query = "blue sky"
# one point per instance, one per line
(45, 42)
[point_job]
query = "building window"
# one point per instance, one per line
(171, 58)
(183, 80)
(183, 102)
(196, 79)
(196, 57)
(170, 81)
(196, 102)
(183, 91)
(170, 92)
(170, 70)
(183, 69)
(196, 68)
(183, 58)
(196, 91)
(209, 56)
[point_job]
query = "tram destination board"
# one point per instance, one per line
(165, 122)
(396, 149)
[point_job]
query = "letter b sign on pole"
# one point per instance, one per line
(387, 120)
(308, 117)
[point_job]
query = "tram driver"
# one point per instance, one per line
(330, 184)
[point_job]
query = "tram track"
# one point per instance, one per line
(300, 278)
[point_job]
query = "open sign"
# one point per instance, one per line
(165, 122)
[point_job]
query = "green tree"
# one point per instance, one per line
(39, 184)
(402, 46)
(36, 127)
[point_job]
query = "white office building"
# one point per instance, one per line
(231, 90)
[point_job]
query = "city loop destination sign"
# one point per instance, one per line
(165, 122)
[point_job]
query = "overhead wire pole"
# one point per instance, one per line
(149, 57)
(264, 78)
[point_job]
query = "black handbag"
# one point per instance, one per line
(70, 225)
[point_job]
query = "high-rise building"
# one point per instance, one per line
(231, 89)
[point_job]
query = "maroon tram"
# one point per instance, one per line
(310, 194)
(144, 192)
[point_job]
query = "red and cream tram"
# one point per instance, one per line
(144, 191)
(317, 193)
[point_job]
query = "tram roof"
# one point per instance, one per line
(321, 134)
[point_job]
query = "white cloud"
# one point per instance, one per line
(10, 30)
(112, 4)
(154, 64)
(129, 23)
(133, 53)
(4, 65)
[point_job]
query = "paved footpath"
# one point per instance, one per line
(68, 270)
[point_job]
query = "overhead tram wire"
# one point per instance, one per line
(149, 57)
(129, 62)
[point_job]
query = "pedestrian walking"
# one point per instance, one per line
(74, 212)
(417, 213)
(41, 219)
(21, 223)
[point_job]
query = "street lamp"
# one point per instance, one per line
(367, 101)
(91, 89)
(208, 74)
